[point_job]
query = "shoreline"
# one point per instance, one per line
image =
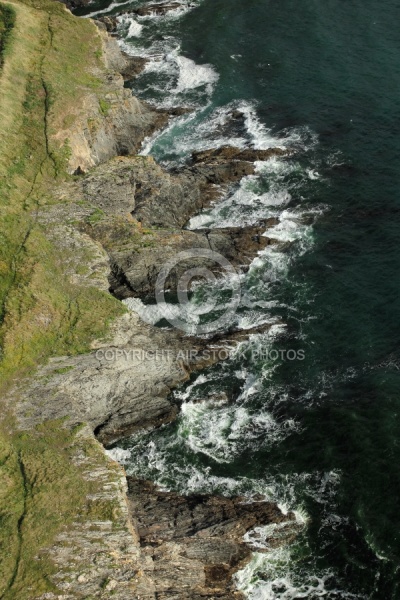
(101, 399)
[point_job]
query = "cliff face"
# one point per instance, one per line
(193, 545)
(109, 228)
(114, 125)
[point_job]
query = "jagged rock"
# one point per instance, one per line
(134, 270)
(228, 153)
(134, 66)
(125, 383)
(116, 125)
(111, 188)
(155, 9)
(222, 172)
(96, 555)
(237, 114)
(196, 542)
(150, 194)
(109, 22)
(159, 198)
(169, 200)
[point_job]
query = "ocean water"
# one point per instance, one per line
(319, 435)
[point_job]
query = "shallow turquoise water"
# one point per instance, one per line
(321, 435)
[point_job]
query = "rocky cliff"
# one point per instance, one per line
(111, 224)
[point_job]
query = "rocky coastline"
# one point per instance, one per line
(125, 215)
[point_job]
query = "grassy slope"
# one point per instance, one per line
(50, 62)
(55, 56)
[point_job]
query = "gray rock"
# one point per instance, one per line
(196, 542)
(228, 153)
(134, 270)
(159, 198)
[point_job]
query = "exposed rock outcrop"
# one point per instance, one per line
(138, 185)
(154, 196)
(114, 124)
(156, 9)
(134, 270)
(109, 22)
(100, 555)
(194, 544)
(125, 384)
(228, 153)
(167, 545)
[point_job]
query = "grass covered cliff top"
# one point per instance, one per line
(52, 60)
(49, 60)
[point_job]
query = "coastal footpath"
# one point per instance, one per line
(86, 222)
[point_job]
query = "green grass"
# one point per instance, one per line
(104, 106)
(40, 498)
(41, 312)
(50, 60)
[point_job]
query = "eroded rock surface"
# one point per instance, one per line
(195, 543)
(159, 198)
(134, 270)
(156, 9)
(228, 153)
(165, 545)
(114, 125)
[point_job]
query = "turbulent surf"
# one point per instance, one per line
(305, 412)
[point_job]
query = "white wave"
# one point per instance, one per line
(135, 29)
(149, 313)
(166, 457)
(130, 26)
(176, 13)
(186, 74)
(153, 313)
(222, 430)
(312, 174)
(245, 206)
(217, 129)
(213, 129)
(192, 76)
(207, 483)
(253, 319)
(119, 455)
(171, 14)
(278, 582)
(203, 131)
(173, 126)
(185, 393)
(276, 168)
(274, 576)
(249, 203)
(263, 138)
(109, 8)
(178, 81)
(260, 135)
(290, 227)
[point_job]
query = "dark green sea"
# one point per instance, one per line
(321, 436)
